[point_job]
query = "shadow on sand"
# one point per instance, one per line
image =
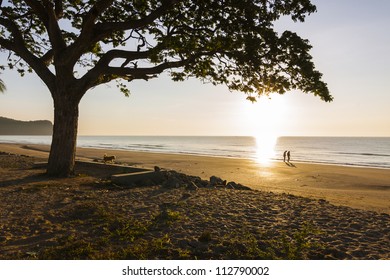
(290, 164)
(35, 178)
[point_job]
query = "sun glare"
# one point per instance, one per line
(265, 148)
(266, 120)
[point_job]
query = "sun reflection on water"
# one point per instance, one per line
(265, 148)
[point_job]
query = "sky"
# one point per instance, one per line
(351, 47)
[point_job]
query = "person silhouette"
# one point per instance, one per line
(288, 156)
(284, 156)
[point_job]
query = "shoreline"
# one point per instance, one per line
(363, 188)
(364, 158)
(44, 147)
(232, 157)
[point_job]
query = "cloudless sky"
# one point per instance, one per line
(351, 47)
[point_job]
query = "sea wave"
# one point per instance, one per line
(365, 154)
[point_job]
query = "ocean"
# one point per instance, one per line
(351, 151)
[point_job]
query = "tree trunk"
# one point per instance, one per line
(63, 147)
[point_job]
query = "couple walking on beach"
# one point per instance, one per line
(286, 154)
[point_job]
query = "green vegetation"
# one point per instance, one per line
(118, 237)
(113, 236)
(273, 246)
(168, 217)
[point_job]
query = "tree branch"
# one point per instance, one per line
(18, 47)
(104, 29)
(38, 9)
(83, 42)
(47, 58)
(103, 73)
(54, 30)
(96, 73)
(6, 44)
(49, 18)
(109, 27)
(58, 8)
(92, 33)
(13, 29)
(143, 73)
(39, 67)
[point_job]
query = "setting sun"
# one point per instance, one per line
(266, 118)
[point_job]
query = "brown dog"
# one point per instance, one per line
(107, 158)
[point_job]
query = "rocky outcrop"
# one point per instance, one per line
(173, 179)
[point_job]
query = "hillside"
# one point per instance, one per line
(15, 127)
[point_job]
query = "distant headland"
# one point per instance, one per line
(15, 127)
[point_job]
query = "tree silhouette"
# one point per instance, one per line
(75, 45)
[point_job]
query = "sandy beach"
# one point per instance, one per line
(356, 187)
(300, 211)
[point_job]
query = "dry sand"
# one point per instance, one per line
(184, 217)
(356, 187)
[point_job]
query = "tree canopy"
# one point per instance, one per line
(223, 41)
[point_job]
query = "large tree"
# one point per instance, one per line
(75, 45)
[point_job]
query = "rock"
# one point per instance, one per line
(201, 183)
(157, 169)
(216, 181)
(173, 179)
(231, 185)
(144, 178)
(241, 187)
(171, 182)
(192, 187)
